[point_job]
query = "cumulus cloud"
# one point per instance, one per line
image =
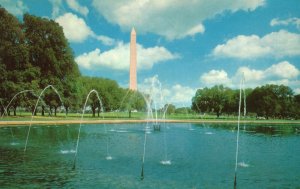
(104, 39)
(75, 28)
(75, 6)
(283, 69)
(173, 19)
(56, 8)
(285, 22)
(278, 44)
(77, 31)
(214, 77)
(177, 94)
(181, 95)
(281, 73)
(250, 75)
(15, 7)
(118, 57)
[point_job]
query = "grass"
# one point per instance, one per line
(26, 116)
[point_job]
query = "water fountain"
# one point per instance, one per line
(122, 101)
(149, 112)
(33, 113)
(154, 96)
(184, 172)
(166, 161)
(108, 157)
(13, 98)
(156, 125)
(242, 88)
(8, 105)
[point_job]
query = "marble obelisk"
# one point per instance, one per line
(133, 60)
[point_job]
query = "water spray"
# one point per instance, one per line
(83, 110)
(238, 132)
(37, 102)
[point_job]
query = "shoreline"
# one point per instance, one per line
(62, 122)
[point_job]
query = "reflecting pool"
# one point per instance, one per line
(178, 156)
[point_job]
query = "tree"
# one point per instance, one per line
(210, 99)
(296, 106)
(49, 51)
(169, 108)
(108, 90)
(271, 101)
(14, 65)
(134, 100)
(285, 98)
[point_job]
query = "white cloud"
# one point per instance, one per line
(74, 5)
(104, 39)
(77, 31)
(56, 7)
(281, 73)
(181, 95)
(252, 75)
(118, 57)
(177, 94)
(214, 77)
(277, 44)
(283, 69)
(242, 47)
(15, 7)
(193, 31)
(74, 27)
(172, 19)
(290, 21)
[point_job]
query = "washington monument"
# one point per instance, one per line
(132, 71)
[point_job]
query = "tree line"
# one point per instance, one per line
(268, 101)
(34, 53)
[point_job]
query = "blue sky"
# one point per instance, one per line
(183, 45)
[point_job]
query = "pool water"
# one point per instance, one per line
(178, 156)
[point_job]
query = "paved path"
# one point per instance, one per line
(59, 122)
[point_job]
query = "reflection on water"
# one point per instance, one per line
(263, 129)
(277, 130)
(199, 156)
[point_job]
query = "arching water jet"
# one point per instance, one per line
(37, 102)
(78, 136)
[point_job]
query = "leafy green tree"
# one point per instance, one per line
(169, 108)
(210, 99)
(109, 92)
(134, 100)
(271, 101)
(296, 106)
(231, 101)
(49, 51)
(285, 97)
(14, 60)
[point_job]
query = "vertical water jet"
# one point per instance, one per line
(238, 131)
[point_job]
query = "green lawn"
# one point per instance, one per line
(26, 116)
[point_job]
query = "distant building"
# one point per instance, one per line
(133, 60)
